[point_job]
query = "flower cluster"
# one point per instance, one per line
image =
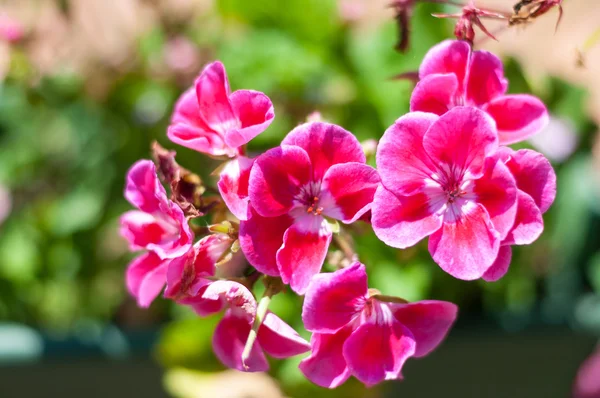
(443, 172)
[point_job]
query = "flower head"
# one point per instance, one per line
(318, 172)
(468, 18)
(357, 332)
(275, 337)
(453, 75)
(439, 179)
(209, 118)
(159, 225)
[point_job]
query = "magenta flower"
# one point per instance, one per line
(186, 274)
(453, 75)
(357, 334)
(145, 277)
(318, 171)
(439, 179)
(211, 119)
(274, 336)
(536, 183)
(587, 382)
(159, 225)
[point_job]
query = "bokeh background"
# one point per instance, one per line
(87, 85)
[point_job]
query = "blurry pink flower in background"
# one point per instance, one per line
(587, 383)
(351, 10)
(11, 30)
(181, 55)
(5, 203)
(558, 140)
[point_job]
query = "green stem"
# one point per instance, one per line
(261, 312)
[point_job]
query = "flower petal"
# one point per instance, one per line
(229, 340)
(302, 254)
(500, 266)
(326, 144)
(460, 140)
(402, 221)
(402, 162)
(146, 276)
(233, 185)
(496, 190)
(333, 299)
(376, 352)
(200, 262)
(261, 238)
(143, 230)
(236, 295)
(326, 366)
(212, 90)
(467, 244)
(276, 178)
(189, 130)
(255, 113)
(143, 189)
(279, 340)
(449, 56)
(204, 141)
(518, 116)
(429, 322)
(486, 78)
(534, 175)
(587, 382)
(434, 93)
(352, 186)
(529, 223)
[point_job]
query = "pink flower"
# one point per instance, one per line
(439, 179)
(145, 277)
(186, 274)
(587, 383)
(159, 225)
(275, 336)
(453, 75)
(319, 171)
(212, 120)
(11, 30)
(357, 334)
(536, 183)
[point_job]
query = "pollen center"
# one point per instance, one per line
(454, 192)
(314, 206)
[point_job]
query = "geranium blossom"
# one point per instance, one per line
(439, 179)
(356, 333)
(186, 274)
(275, 336)
(318, 171)
(209, 118)
(453, 75)
(159, 225)
(536, 183)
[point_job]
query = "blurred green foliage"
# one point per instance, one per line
(64, 154)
